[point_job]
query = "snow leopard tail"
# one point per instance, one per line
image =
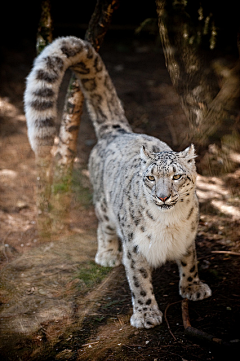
(43, 85)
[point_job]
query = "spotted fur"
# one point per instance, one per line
(144, 192)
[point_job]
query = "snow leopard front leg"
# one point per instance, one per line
(190, 285)
(145, 308)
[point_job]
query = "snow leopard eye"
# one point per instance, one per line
(151, 178)
(177, 176)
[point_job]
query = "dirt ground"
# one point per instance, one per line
(56, 304)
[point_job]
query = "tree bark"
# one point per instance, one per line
(100, 22)
(44, 33)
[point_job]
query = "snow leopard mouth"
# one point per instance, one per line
(165, 206)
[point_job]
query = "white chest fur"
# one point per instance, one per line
(167, 237)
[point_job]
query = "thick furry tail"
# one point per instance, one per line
(43, 85)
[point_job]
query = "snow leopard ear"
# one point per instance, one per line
(146, 156)
(189, 153)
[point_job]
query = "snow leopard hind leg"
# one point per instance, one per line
(108, 253)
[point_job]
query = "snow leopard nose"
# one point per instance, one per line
(163, 199)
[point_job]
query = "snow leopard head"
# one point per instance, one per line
(168, 177)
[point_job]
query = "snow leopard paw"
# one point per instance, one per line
(108, 258)
(195, 292)
(146, 319)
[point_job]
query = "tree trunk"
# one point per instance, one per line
(69, 128)
(195, 39)
(100, 22)
(43, 165)
(44, 33)
(98, 26)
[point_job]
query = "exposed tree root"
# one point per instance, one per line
(201, 335)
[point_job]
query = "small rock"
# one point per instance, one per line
(21, 204)
(42, 292)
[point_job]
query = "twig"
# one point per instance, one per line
(227, 252)
(165, 316)
(120, 321)
(90, 343)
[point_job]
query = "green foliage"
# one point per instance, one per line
(62, 187)
(76, 184)
(91, 273)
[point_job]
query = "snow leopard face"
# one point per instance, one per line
(168, 177)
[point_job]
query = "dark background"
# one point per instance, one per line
(20, 19)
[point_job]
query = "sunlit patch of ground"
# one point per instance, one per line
(220, 209)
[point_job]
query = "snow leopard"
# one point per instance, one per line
(144, 192)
